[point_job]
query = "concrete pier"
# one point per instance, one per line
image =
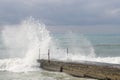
(96, 70)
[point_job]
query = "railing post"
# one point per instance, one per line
(49, 55)
(67, 52)
(39, 53)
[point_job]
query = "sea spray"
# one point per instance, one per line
(23, 42)
(79, 47)
(16, 65)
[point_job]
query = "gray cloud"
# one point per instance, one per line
(62, 12)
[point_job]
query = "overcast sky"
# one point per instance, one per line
(78, 15)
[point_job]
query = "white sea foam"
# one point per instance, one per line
(114, 60)
(79, 58)
(16, 65)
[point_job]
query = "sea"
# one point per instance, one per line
(22, 44)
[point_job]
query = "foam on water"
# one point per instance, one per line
(114, 60)
(16, 65)
(79, 58)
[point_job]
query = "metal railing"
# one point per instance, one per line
(48, 54)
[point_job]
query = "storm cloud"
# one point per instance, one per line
(62, 12)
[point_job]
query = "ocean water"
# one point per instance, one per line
(20, 46)
(104, 45)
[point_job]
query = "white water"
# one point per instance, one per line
(24, 40)
(79, 46)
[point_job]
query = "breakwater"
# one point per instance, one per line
(102, 71)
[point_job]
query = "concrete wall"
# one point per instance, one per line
(96, 71)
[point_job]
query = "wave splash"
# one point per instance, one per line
(16, 65)
(24, 40)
